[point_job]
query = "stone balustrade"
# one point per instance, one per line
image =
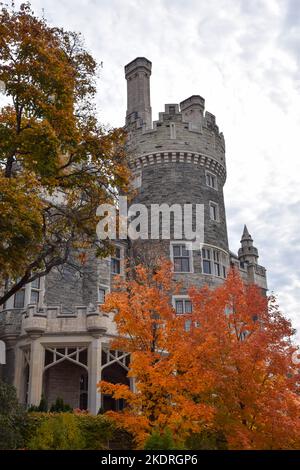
(35, 321)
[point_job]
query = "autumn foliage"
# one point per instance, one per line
(226, 367)
(57, 162)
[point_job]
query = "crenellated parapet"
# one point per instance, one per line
(189, 130)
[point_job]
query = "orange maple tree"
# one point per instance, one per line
(227, 366)
(246, 343)
(167, 394)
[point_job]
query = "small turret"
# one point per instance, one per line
(247, 253)
(137, 74)
(192, 109)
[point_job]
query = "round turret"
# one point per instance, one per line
(180, 160)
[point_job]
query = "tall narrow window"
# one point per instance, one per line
(172, 130)
(206, 261)
(213, 211)
(35, 291)
(211, 180)
(181, 259)
(19, 299)
(216, 256)
(116, 262)
(101, 295)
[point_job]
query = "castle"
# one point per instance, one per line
(57, 338)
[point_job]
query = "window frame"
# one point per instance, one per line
(117, 259)
(36, 290)
(187, 246)
(28, 289)
(23, 291)
(216, 259)
(106, 290)
(184, 299)
(214, 205)
(209, 174)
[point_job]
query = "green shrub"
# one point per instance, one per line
(33, 421)
(160, 441)
(12, 418)
(60, 407)
(59, 432)
(97, 430)
(43, 406)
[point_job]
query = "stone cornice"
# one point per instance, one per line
(169, 156)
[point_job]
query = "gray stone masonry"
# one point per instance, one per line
(171, 160)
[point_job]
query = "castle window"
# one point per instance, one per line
(171, 109)
(19, 299)
(214, 211)
(29, 294)
(213, 262)
(172, 130)
(187, 325)
(137, 181)
(181, 258)
(183, 306)
(101, 295)
(116, 261)
(217, 270)
(35, 291)
(206, 261)
(211, 180)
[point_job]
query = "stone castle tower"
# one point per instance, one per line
(180, 159)
(56, 336)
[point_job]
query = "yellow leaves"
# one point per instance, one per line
(51, 133)
(39, 149)
(20, 222)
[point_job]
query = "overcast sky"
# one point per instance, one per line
(243, 57)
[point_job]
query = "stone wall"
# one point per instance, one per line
(63, 380)
(64, 287)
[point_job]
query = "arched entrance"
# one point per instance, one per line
(114, 369)
(66, 376)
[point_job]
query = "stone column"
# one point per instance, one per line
(19, 373)
(37, 357)
(132, 383)
(94, 365)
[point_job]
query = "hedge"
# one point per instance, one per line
(73, 431)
